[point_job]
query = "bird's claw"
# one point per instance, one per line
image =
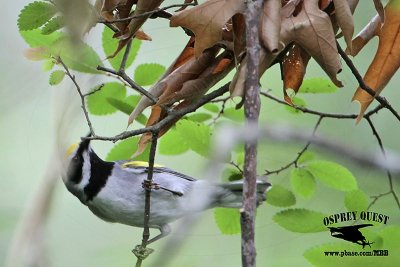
(142, 252)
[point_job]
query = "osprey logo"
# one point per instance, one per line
(351, 234)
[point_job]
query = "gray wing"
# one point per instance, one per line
(167, 179)
(144, 169)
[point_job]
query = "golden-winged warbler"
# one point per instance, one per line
(114, 191)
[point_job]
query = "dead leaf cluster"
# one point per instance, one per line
(291, 33)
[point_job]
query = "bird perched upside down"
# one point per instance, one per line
(114, 191)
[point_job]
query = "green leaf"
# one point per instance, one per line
(172, 143)
(124, 149)
(332, 175)
(56, 77)
(320, 256)
(279, 196)
(305, 157)
(230, 175)
(301, 220)
(80, 57)
(35, 38)
(35, 15)
(199, 117)
(196, 136)
(303, 183)
(53, 25)
(240, 158)
(98, 103)
(356, 200)
(234, 114)
(297, 101)
(48, 65)
(317, 86)
(228, 220)
(391, 237)
(148, 74)
(211, 107)
(110, 45)
(120, 105)
(126, 107)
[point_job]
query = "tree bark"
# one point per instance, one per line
(252, 111)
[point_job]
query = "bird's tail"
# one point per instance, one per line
(231, 195)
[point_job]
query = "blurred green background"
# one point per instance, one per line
(75, 237)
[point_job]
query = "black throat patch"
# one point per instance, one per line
(76, 163)
(99, 172)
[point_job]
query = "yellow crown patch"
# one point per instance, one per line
(71, 149)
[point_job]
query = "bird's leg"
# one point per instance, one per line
(141, 252)
(164, 231)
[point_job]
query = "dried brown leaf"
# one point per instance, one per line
(207, 20)
(159, 87)
(294, 68)
(344, 19)
(189, 71)
(387, 58)
(379, 8)
(239, 36)
(366, 34)
(271, 25)
(316, 36)
(142, 6)
(237, 85)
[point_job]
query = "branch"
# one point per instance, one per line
(252, 112)
(363, 85)
(221, 111)
(171, 117)
(295, 161)
(319, 113)
(389, 174)
(121, 73)
(82, 96)
(146, 14)
(141, 251)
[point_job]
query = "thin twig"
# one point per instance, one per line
(236, 166)
(221, 111)
(146, 14)
(171, 117)
(319, 113)
(125, 56)
(147, 185)
(295, 161)
(94, 91)
(126, 78)
(363, 85)
(389, 174)
(82, 96)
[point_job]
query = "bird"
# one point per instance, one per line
(114, 191)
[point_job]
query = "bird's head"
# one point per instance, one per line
(78, 162)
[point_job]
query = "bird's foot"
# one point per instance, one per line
(142, 252)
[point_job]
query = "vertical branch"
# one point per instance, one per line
(252, 111)
(141, 251)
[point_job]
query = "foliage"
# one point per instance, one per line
(202, 64)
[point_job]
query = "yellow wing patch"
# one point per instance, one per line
(131, 164)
